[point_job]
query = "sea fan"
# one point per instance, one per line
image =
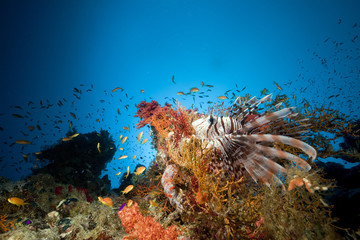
(244, 145)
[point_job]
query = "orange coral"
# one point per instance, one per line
(140, 227)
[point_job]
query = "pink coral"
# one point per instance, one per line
(140, 227)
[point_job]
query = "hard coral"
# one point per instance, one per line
(140, 227)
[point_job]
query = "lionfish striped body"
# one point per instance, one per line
(245, 147)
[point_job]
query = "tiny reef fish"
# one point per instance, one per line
(194, 89)
(23, 142)
(118, 174)
(127, 171)
(140, 135)
(17, 201)
(277, 85)
(106, 201)
(124, 140)
(140, 170)
(122, 206)
(98, 147)
(222, 97)
(129, 203)
(115, 89)
(144, 141)
(127, 189)
(123, 157)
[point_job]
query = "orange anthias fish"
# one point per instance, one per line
(127, 171)
(115, 89)
(128, 189)
(180, 93)
(106, 201)
(122, 157)
(222, 97)
(140, 170)
(17, 201)
(194, 89)
(124, 140)
(140, 135)
(23, 142)
(129, 203)
(277, 85)
(144, 141)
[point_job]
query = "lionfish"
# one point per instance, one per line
(244, 144)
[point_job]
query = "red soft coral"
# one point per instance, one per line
(145, 111)
(140, 227)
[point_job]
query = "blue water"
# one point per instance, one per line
(309, 48)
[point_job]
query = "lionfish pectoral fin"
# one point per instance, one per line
(260, 172)
(272, 152)
(306, 148)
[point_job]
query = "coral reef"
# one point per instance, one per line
(144, 228)
(212, 203)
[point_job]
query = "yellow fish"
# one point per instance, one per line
(17, 201)
(121, 148)
(122, 157)
(98, 147)
(144, 141)
(140, 135)
(120, 137)
(74, 135)
(222, 97)
(140, 170)
(194, 89)
(124, 140)
(23, 142)
(38, 153)
(127, 171)
(118, 174)
(180, 93)
(106, 201)
(128, 189)
(65, 139)
(134, 157)
(153, 203)
(129, 203)
(115, 89)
